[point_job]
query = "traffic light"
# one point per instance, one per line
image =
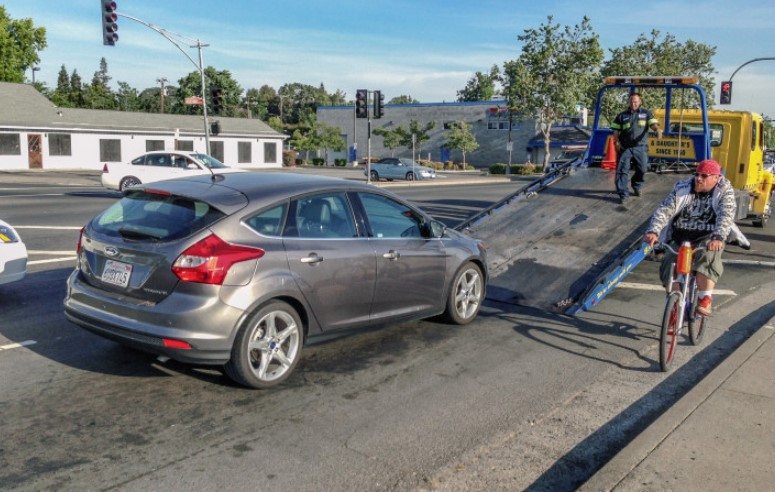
(217, 97)
(726, 92)
(362, 103)
(109, 26)
(379, 104)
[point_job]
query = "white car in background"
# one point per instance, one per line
(160, 165)
(13, 255)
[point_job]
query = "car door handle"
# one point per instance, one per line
(312, 258)
(392, 255)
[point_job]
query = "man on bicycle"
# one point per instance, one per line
(700, 210)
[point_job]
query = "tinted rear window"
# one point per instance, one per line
(141, 215)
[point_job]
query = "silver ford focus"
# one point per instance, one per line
(238, 270)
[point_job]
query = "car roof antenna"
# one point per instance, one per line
(214, 177)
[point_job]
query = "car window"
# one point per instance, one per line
(139, 161)
(269, 222)
(160, 160)
(143, 215)
(390, 219)
(326, 215)
(181, 162)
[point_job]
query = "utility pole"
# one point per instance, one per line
(163, 91)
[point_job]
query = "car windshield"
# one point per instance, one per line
(148, 215)
(210, 161)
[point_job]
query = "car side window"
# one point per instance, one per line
(140, 161)
(390, 219)
(269, 222)
(327, 215)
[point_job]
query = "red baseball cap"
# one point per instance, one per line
(709, 166)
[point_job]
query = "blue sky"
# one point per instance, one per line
(424, 48)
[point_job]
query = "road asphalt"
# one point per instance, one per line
(718, 436)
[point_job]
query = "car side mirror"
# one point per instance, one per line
(437, 229)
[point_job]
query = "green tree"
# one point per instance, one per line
(555, 71)
(390, 139)
(191, 85)
(302, 143)
(98, 95)
(327, 137)
(659, 55)
(62, 94)
(128, 98)
(459, 137)
(20, 42)
(76, 90)
(480, 87)
(421, 134)
(403, 99)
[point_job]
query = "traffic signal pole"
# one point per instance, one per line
(726, 95)
(199, 45)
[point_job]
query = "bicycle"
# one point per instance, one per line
(680, 306)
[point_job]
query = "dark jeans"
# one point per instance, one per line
(637, 155)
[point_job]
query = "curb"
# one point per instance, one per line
(613, 473)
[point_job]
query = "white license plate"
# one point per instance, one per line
(116, 273)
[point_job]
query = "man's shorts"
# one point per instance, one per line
(705, 262)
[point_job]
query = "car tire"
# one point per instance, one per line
(466, 295)
(374, 176)
(410, 176)
(267, 348)
(127, 182)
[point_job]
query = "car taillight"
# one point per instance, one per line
(209, 260)
(105, 168)
(80, 241)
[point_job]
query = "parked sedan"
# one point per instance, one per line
(240, 270)
(13, 255)
(160, 165)
(391, 168)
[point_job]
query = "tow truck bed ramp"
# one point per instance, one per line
(549, 249)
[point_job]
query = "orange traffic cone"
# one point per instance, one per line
(610, 156)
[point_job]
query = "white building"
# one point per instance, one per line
(36, 134)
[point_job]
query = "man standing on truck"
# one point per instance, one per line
(631, 129)
(700, 210)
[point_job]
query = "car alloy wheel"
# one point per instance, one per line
(466, 295)
(268, 347)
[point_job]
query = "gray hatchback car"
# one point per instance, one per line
(239, 269)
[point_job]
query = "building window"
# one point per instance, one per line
(151, 145)
(59, 144)
(244, 152)
(10, 144)
(185, 145)
(216, 150)
(270, 152)
(110, 150)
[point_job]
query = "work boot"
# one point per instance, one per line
(704, 306)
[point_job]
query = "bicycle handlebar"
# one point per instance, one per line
(695, 250)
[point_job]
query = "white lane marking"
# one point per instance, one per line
(52, 260)
(62, 228)
(17, 345)
(44, 252)
(633, 285)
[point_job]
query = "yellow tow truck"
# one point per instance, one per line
(737, 143)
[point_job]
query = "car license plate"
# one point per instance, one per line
(116, 273)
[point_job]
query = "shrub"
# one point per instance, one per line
(318, 161)
(289, 158)
(340, 162)
(521, 169)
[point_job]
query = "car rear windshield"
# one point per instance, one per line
(155, 216)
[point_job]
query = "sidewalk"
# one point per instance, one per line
(719, 436)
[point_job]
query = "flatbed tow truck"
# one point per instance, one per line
(563, 242)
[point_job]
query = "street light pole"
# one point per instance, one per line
(34, 69)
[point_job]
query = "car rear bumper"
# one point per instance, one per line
(13, 270)
(208, 325)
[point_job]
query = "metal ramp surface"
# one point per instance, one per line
(546, 250)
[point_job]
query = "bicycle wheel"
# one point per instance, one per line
(668, 337)
(697, 323)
